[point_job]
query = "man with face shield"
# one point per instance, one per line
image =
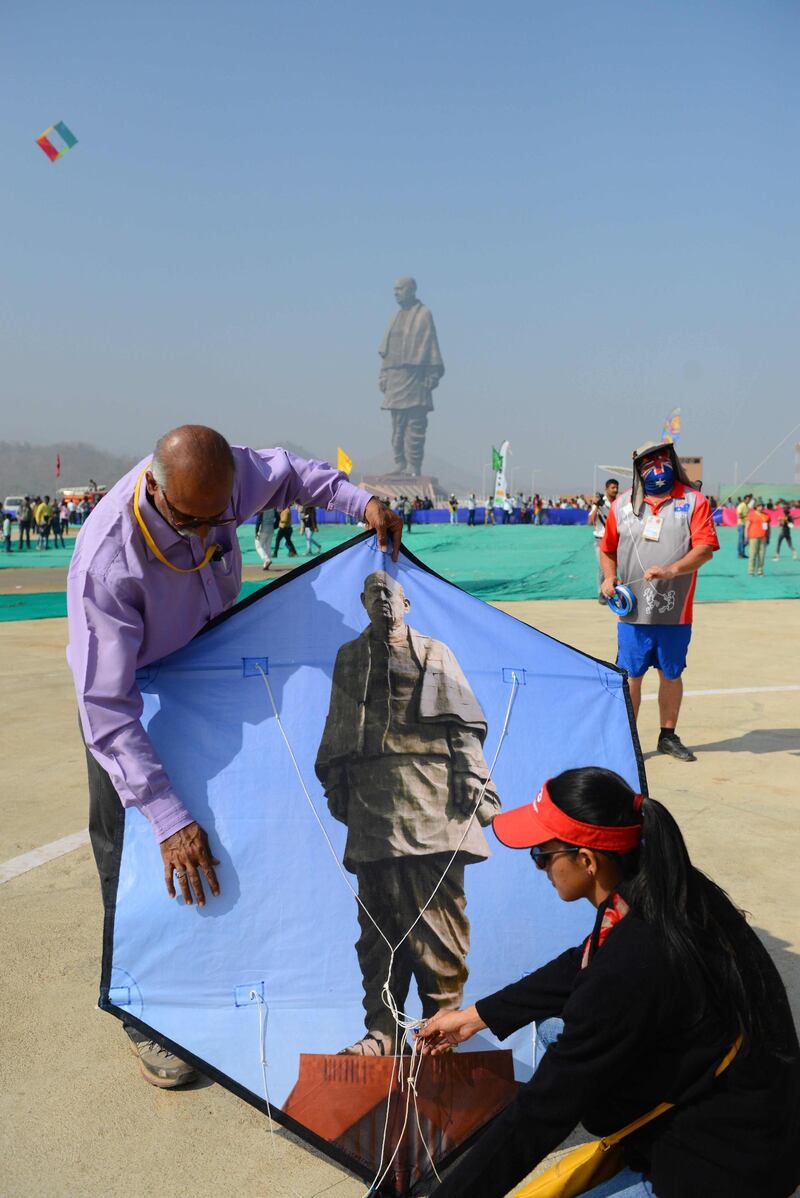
(657, 536)
(401, 760)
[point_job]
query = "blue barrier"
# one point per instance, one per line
(550, 515)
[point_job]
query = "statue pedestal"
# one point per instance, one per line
(344, 1099)
(392, 486)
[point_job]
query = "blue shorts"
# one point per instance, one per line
(664, 646)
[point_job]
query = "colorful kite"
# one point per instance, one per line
(345, 736)
(56, 140)
(672, 427)
(343, 461)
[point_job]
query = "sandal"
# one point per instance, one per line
(368, 1046)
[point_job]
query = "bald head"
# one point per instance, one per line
(194, 466)
(192, 449)
(405, 291)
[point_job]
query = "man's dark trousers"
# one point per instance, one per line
(105, 816)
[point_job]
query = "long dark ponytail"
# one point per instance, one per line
(711, 947)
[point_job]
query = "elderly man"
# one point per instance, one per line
(155, 562)
(411, 369)
(401, 760)
(657, 536)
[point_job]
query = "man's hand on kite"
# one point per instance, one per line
(183, 852)
(607, 587)
(445, 1029)
(384, 523)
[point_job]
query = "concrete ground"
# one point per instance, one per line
(29, 580)
(75, 1118)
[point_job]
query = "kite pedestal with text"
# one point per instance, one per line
(392, 486)
(343, 1099)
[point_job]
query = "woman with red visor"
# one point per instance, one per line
(641, 1013)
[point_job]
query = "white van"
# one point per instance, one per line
(11, 503)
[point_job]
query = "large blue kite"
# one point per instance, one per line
(345, 736)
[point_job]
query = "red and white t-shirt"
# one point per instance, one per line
(663, 532)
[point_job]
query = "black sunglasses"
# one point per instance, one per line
(540, 858)
(181, 520)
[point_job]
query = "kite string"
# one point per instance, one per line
(262, 1054)
(400, 1018)
(407, 1022)
(314, 811)
(769, 455)
(411, 1094)
(632, 582)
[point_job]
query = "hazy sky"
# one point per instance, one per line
(599, 201)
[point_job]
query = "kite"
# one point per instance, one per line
(671, 430)
(345, 736)
(56, 140)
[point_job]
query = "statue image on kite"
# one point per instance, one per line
(367, 716)
(401, 762)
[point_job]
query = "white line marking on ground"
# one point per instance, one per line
(47, 852)
(731, 690)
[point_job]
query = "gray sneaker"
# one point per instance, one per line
(158, 1065)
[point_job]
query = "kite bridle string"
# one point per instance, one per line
(262, 1047)
(401, 1020)
(633, 581)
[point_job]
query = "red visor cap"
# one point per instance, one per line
(541, 820)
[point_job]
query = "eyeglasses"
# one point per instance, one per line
(181, 520)
(540, 858)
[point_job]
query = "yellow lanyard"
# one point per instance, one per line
(212, 549)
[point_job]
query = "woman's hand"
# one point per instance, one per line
(445, 1029)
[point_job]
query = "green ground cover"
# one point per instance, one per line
(502, 563)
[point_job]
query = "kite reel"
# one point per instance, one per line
(624, 601)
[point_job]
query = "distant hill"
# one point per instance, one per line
(31, 469)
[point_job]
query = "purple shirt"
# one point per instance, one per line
(127, 609)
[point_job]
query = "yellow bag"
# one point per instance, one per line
(590, 1164)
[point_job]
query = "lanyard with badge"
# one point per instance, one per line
(154, 549)
(624, 602)
(652, 527)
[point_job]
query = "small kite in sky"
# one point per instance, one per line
(56, 140)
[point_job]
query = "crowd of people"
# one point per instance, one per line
(754, 520)
(278, 521)
(45, 520)
(514, 509)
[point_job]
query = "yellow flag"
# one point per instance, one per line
(343, 462)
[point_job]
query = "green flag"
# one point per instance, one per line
(497, 460)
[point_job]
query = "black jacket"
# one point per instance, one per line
(630, 1041)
